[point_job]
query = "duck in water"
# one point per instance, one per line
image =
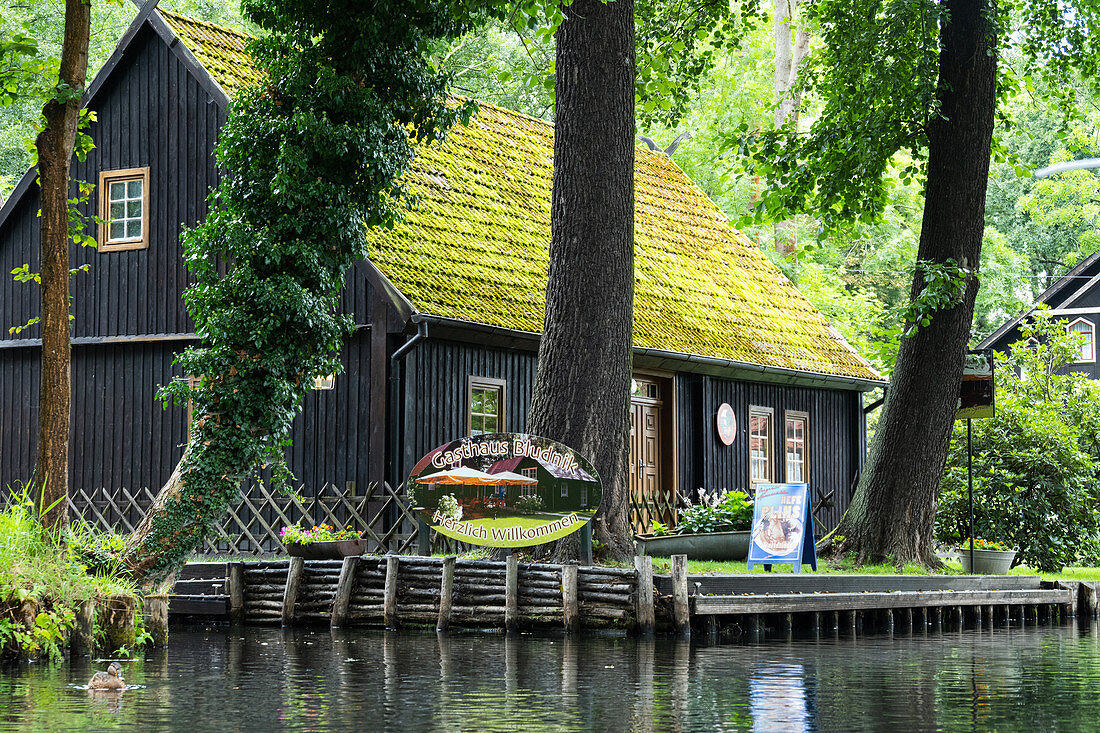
(110, 680)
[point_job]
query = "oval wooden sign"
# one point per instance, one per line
(727, 424)
(504, 490)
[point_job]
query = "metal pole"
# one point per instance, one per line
(970, 488)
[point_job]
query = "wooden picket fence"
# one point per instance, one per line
(253, 522)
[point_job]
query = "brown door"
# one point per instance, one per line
(647, 495)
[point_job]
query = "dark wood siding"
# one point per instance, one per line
(834, 444)
(151, 112)
(435, 395)
(122, 436)
(436, 375)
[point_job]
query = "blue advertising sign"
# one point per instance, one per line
(782, 527)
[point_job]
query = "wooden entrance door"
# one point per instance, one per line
(649, 498)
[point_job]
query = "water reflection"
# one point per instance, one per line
(272, 679)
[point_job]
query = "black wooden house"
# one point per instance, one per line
(448, 309)
(1074, 299)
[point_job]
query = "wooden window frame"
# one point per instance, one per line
(769, 413)
(106, 178)
(1091, 342)
(324, 381)
(192, 382)
(501, 386)
(805, 418)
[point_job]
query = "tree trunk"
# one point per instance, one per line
(582, 385)
(894, 507)
(55, 151)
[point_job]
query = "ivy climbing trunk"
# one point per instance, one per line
(582, 385)
(54, 146)
(312, 157)
(892, 513)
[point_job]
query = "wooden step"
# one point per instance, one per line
(207, 586)
(198, 605)
(809, 602)
(202, 571)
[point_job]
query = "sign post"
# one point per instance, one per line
(976, 399)
(782, 527)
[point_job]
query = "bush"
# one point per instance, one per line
(1035, 466)
(728, 512)
(529, 504)
(39, 568)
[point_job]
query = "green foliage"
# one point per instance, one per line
(728, 512)
(38, 567)
(1035, 463)
(943, 286)
(311, 157)
(529, 504)
(448, 506)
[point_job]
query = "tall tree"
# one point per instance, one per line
(582, 384)
(915, 82)
(54, 147)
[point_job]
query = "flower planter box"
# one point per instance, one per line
(987, 562)
(333, 550)
(713, 546)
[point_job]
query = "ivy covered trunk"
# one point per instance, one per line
(54, 146)
(582, 385)
(893, 511)
(312, 157)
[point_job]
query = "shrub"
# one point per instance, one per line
(1035, 462)
(529, 504)
(448, 507)
(728, 512)
(38, 567)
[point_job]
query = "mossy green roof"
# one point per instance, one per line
(476, 246)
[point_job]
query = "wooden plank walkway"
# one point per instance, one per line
(809, 603)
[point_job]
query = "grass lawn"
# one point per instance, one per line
(846, 567)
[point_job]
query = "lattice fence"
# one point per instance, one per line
(253, 522)
(660, 507)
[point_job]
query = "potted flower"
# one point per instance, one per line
(990, 556)
(715, 528)
(322, 542)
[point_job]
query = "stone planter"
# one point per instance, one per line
(334, 550)
(987, 562)
(713, 546)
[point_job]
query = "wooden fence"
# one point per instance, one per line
(253, 522)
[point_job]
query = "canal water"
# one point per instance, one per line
(267, 679)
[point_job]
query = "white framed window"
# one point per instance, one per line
(761, 459)
(124, 209)
(795, 439)
(1086, 329)
(485, 398)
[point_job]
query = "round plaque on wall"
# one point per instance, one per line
(727, 424)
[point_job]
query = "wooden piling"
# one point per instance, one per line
(389, 598)
(116, 619)
(344, 587)
(570, 603)
(83, 640)
(234, 579)
(511, 594)
(290, 592)
(681, 612)
(644, 611)
(446, 594)
(156, 618)
(850, 622)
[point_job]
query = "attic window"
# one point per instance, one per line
(124, 209)
(1088, 348)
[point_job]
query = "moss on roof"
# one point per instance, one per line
(476, 246)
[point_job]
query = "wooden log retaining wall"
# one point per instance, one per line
(605, 597)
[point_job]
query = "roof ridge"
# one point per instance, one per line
(208, 24)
